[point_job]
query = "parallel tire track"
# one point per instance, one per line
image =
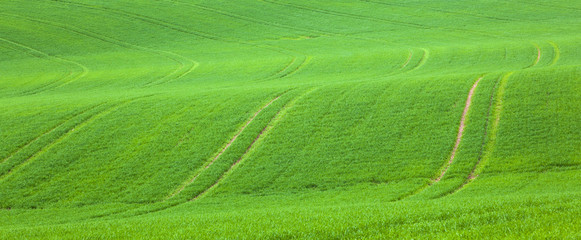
(375, 19)
(454, 149)
(67, 133)
(179, 28)
(422, 61)
(489, 138)
(265, 130)
(79, 70)
(460, 129)
(281, 73)
(208, 164)
(278, 116)
(186, 65)
(292, 71)
(29, 143)
(403, 68)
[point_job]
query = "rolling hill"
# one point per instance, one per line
(279, 119)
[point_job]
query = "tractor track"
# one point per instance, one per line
(482, 16)
(447, 165)
(422, 61)
(70, 77)
(271, 123)
(182, 29)
(460, 129)
(485, 134)
(495, 108)
(223, 149)
(375, 19)
(411, 53)
(488, 143)
(22, 147)
(279, 115)
(68, 132)
(186, 65)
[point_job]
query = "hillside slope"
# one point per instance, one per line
(290, 119)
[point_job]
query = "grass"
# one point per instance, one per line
(283, 119)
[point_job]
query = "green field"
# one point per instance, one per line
(280, 119)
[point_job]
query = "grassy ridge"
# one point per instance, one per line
(289, 119)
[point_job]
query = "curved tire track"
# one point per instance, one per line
(460, 129)
(294, 70)
(422, 61)
(168, 205)
(208, 164)
(489, 140)
(556, 53)
(264, 131)
(411, 54)
(454, 149)
(186, 65)
(178, 28)
(71, 76)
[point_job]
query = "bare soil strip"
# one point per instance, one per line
(207, 165)
(538, 56)
(472, 174)
(460, 129)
